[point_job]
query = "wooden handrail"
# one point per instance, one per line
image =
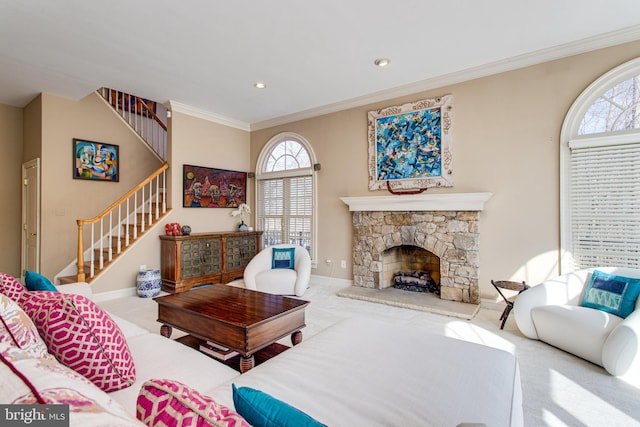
(152, 114)
(81, 277)
(123, 198)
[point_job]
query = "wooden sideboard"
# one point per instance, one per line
(199, 258)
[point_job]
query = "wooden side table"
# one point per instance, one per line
(511, 286)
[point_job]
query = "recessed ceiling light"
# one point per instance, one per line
(382, 62)
(260, 85)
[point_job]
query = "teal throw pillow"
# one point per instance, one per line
(613, 294)
(283, 258)
(261, 410)
(37, 282)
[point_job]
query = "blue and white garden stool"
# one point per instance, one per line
(149, 283)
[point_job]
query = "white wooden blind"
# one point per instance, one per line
(286, 213)
(605, 205)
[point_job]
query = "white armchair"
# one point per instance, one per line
(259, 276)
(552, 312)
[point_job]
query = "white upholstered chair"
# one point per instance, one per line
(552, 312)
(260, 276)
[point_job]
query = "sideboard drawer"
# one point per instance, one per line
(200, 257)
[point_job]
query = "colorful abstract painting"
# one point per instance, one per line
(95, 161)
(213, 188)
(410, 145)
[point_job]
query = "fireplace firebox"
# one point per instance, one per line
(411, 268)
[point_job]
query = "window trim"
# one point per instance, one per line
(262, 175)
(569, 138)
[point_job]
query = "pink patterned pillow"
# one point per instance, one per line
(17, 330)
(27, 380)
(10, 287)
(170, 403)
(83, 337)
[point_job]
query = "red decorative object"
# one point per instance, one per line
(398, 193)
(173, 229)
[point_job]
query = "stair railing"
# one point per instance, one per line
(116, 227)
(139, 114)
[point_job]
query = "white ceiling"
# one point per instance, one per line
(314, 56)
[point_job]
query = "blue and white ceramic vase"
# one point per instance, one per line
(242, 227)
(149, 283)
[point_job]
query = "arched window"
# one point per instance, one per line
(286, 192)
(600, 173)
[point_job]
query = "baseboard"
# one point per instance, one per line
(326, 280)
(129, 292)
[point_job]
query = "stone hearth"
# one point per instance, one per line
(445, 225)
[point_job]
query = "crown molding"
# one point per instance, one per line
(209, 116)
(509, 64)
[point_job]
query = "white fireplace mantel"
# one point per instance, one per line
(419, 202)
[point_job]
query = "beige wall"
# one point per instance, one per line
(64, 199)
(32, 142)
(505, 141)
(10, 188)
(200, 142)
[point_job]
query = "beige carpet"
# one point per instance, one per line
(559, 389)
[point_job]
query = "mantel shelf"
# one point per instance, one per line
(419, 202)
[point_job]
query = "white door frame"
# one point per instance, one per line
(30, 214)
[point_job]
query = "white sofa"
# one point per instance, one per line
(355, 372)
(552, 312)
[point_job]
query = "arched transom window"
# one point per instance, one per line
(287, 155)
(600, 176)
(286, 192)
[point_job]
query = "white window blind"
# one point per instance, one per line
(286, 214)
(605, 205)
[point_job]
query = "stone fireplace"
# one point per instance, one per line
(443, 227)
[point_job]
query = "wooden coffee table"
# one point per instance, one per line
(240, 319)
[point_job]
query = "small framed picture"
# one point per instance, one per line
(95, 161)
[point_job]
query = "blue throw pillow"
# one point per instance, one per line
(37, 282)
(613, 294)
(261, 410)
(283, 258)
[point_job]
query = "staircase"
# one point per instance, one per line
(140, 115)
(105, 237)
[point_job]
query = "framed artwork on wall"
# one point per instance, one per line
(95, 161)
(213, 188)
(410, 145)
